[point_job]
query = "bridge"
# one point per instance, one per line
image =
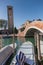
(35, 29)
(31, 28)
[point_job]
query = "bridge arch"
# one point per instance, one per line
(37, 39)
(32, 29)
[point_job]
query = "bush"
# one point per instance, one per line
(15, 30)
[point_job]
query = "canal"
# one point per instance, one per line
(19, 41)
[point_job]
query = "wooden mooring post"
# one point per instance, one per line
(37, 47)
(13, 43)
(0, 41)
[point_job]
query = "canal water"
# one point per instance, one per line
(19, 41)
(7, 41)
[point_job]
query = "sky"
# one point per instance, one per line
(22, 10)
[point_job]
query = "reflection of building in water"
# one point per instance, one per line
(21, 39)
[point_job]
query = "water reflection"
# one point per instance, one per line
(20, 40)
(7, 41)
(17, 40)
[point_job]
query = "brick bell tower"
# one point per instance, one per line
(10, 19)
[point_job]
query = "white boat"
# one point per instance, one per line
(28, 50)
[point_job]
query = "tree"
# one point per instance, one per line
(15, 30)
(39, 19)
